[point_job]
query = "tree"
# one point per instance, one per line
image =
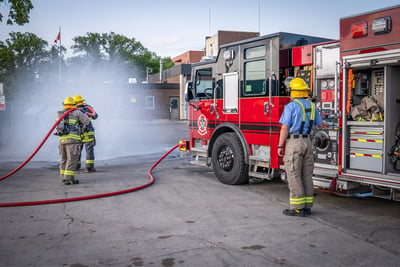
(19, 11)
(115, 56)
(22, 57)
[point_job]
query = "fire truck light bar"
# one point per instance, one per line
(359, 30)
(382, 25)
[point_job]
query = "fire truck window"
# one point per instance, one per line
(254, 52)
(219, 89)
(204, 85)
(255, 78)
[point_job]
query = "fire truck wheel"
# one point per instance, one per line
(228, 160)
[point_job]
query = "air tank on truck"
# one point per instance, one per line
(235, 103)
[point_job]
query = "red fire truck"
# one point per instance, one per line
(236, 102)
(369, 101)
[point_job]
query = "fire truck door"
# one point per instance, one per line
(326, 91)
(258, 113)
(231, 92)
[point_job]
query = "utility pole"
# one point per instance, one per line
(161, 70)
(60, 59)
(147, 73)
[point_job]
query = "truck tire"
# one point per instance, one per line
(228, 160)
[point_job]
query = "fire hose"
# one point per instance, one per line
(63, 200)
(39, 147)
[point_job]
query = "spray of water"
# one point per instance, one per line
(121, 129)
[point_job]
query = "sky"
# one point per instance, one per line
(170, 28)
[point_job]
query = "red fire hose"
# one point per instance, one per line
(40, 146)
(62, 200)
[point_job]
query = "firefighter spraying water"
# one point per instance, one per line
(88, 135)
(69, 131)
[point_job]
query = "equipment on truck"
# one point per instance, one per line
(367, 140)
(394, 152)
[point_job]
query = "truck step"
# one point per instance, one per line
(199, 151)
(199, 163)
(260, 175)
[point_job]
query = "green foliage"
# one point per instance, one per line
(22, 56)
(27, 60)
(124, 57)
(19, 11)
(28, 50)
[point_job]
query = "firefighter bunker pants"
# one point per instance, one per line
(89, 149)
(299, 165)
(69, 158)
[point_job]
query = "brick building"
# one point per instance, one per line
(180, 73)
(188, 57)
(225, 37)
(155, 100)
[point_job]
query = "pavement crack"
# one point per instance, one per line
(356, 236)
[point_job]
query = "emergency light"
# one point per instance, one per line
(183, 145)
(382, 25)
(359, 30)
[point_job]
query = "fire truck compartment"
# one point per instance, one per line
(366, 159)
(366, 137)
(366, 141)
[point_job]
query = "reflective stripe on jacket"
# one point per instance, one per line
(75, 121)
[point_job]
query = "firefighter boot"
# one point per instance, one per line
(90, 169)
(300, 213)
(307, 211)
(71, 181)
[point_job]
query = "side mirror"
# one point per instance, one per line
(189, 91)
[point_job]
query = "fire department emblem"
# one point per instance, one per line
(202, 123)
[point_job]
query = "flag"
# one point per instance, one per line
(58, 37)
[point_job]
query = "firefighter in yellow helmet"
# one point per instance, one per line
(69, 131)
(88, 138)
(297, 120)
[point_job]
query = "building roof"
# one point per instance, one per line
(188, 57)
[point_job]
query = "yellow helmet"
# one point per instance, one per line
(298, 84)
(69, 101)
(78, 98)
(298, 88)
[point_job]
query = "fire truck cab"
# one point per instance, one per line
(235, 103)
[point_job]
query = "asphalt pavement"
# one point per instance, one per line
(186, 218)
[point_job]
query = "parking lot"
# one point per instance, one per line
(186, 218)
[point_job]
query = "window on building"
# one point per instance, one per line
(149, 102)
